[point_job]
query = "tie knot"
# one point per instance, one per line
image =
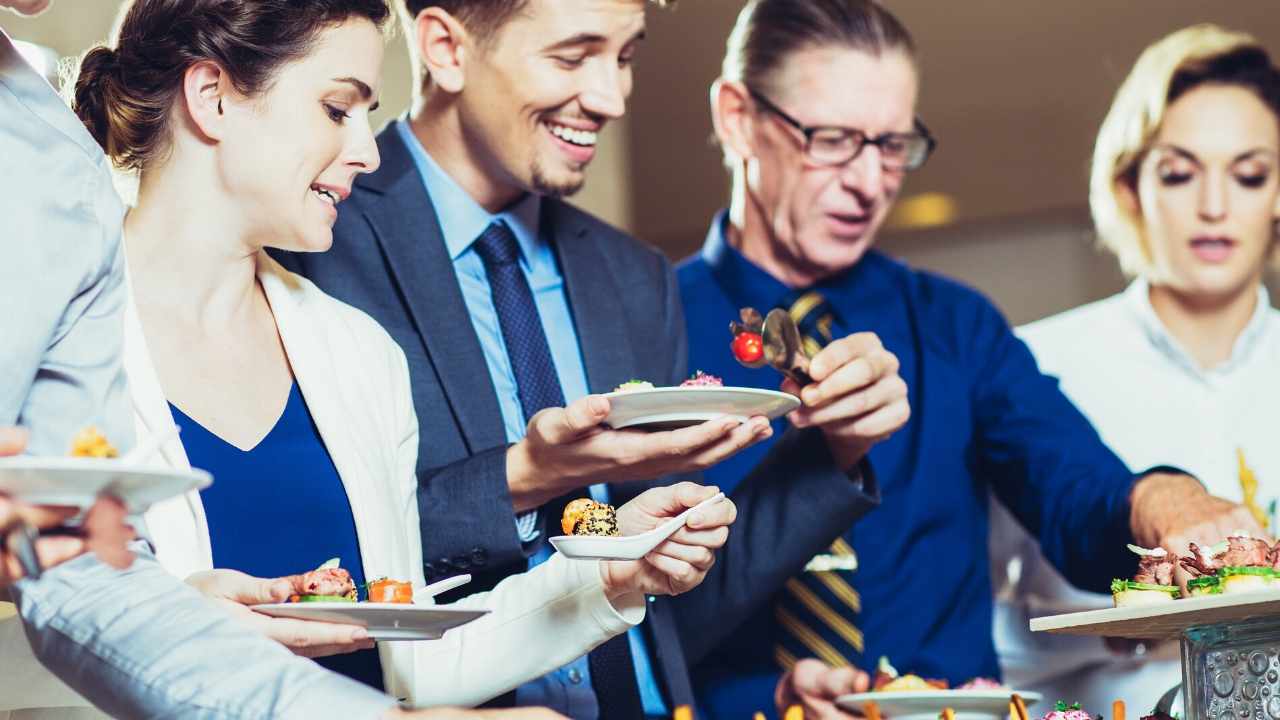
(497, 245)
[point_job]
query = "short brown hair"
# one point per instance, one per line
(482, 18)
(123, 95)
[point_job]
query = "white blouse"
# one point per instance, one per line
(1153, 406)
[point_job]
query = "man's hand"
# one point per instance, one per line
(529, 713)
(568, 448)
(856, 397)
(1172, 510)
(679, 564)
(104, 531)
(237, 593)
(814, 686)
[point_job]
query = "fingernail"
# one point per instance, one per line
(695, 519)
(360, 634)
(598, 405)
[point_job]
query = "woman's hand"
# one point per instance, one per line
(237, 593)
(681, 563)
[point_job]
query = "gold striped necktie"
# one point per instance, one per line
(814, 609)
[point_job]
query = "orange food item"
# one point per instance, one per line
(573, 512)
(91, 443)
(390, 591)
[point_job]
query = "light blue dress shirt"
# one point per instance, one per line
(567, 690)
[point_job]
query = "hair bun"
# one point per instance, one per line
(95, 82)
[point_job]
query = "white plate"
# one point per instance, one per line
(78, 481)
(927, 704)
(385, 621)
(627, 547)
(667, 408)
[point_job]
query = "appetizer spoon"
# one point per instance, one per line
(150, 445)
(627, 547)
(426, 595)
(782, 347)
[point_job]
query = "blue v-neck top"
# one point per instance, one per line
(280, 509)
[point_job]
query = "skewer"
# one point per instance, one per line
(1017, 708)
(871, 710)
(1117, 710)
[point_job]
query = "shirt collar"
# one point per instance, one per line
(1138, 297)
(462, 219)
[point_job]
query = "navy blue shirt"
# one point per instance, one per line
(983, 418)
(280, 509)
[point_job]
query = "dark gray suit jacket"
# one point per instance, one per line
(389, 259)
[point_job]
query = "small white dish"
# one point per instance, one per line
(626, 547)
(928, 704)
(385, 621)
(426, 595)
(78, 481)
(668, 408)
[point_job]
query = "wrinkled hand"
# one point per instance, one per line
(1171, 511)
(529, 713)
(814, 686)
(104, 531)
(679, 564)
(568, 448)
(237, 593)
(857, 397)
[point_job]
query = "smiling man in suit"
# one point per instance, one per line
(512, 307)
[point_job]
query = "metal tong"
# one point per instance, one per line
(783, 349)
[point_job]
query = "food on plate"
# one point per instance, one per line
(327, 583)
(1063, 711)
(91, 443)
(633, 384)
(701, 379)
(1152, 584)
(585, 516)
(386, 590)
(1204, 585)
(747, 345)
(1158, 715)
(1242, 563)
(887, 679)
(1117, 710)
(982, 683)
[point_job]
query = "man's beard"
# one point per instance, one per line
(544, 186)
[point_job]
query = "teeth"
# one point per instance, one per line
(325, 195)
(585, 138)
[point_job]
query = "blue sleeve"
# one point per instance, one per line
(1046, 462)
(141, 643)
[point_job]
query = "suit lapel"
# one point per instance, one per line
(594, 299)
(406, 227)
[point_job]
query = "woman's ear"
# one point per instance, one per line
(442, 45)
(1127, 196)
(204, 91)
(731, 115)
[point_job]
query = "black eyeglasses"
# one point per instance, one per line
(832, 145)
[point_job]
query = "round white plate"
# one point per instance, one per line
(927, 704)
(667, 408)
(626, 547)
(385, 621)
(78, 481)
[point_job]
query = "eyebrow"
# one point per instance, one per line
(589, 39)
(1183, 152)
(361, 87)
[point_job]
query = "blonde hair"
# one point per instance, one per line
(1134, 120)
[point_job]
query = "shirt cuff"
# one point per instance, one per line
(614, 617)
(527, 526)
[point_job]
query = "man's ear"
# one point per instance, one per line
(442, 43)
(732, 117)
(204, 93)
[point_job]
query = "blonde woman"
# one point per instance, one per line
(1185, 190)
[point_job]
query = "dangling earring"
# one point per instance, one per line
(219, 106)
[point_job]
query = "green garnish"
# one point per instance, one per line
(1207, 585)
(1119, 586)
(325, 598)
(1250, 570)
(1062, 706)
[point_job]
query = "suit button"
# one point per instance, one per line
(575, 676)
(429, 570)
(461, 562)
(444, 565)
(479, 557)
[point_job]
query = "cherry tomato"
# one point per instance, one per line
(748, 347)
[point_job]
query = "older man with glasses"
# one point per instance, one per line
(816, 112)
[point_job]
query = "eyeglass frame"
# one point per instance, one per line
(808, 131)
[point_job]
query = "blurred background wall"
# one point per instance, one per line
(1014, 90)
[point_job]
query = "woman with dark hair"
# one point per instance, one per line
(247, 122)
(1185, 190)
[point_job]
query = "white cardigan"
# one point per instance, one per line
(356, 383)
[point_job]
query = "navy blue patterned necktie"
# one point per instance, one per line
(613, 675)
